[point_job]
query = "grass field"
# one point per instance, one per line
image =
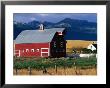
(77, 44)
(55, 66)
(60, 71)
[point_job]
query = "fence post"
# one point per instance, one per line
(29, 69)
(75, 68)
(44, 70)
(55, 68)
(16, 71)
(64, 67)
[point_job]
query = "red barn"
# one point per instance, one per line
(41, 43)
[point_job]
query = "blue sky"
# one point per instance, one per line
(53, 17)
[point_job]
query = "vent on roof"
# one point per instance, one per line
(41, 27)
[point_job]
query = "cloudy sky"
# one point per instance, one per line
(53, 17)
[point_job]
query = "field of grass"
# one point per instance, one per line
(60, 71)
(55, 66)
(77, 44)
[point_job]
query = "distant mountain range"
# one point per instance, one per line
(75, 29)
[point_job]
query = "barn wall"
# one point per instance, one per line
(31, 50)
(58, 49)
(91, 47)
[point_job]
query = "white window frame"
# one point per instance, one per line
(44, 52)
(61, 44)
(32, 50)
(60, 33)
(23, 51)
(27, 50)
(17, 53)
(37, 50)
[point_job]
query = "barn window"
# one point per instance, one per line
(54, 43)
(27, 50)
(23, 51)
(37, 50)
(60, 33)
(61, 44)
(32, 50)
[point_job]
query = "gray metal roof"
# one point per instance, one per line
(37, 36)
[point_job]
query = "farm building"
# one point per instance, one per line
(41, 43)
(92, 47)
(78, 44)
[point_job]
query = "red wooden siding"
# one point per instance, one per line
(34, 49)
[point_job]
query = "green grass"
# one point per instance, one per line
(21, 63)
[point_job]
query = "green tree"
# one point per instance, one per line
(87, 51)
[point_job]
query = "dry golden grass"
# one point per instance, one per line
(77, 44)
(60, 71)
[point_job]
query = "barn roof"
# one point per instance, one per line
(95, 45)
(37, 36)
